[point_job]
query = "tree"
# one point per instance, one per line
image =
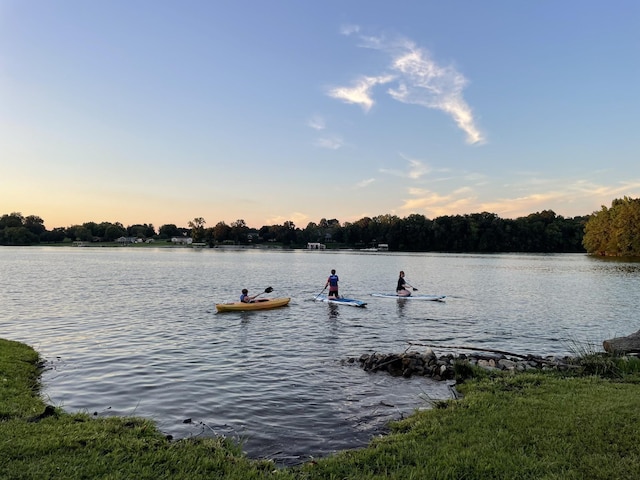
(141, 231)
(221, 232)
(615, 230)
(197, 229)
(56, 235)
(289, 233)
(79, 233)
(14, 219)
(113, 231)
(35, 225)
(94, 228)
(417, 232)
(169, 230)
(239, 231)
(17, 236)
(310, 233)
(209, 236)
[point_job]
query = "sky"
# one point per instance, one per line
(160, 112)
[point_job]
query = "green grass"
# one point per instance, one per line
(522, 426)
(527, 426)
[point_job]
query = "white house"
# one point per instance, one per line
(182, 240)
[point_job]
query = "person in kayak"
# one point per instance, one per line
(332, 283)
(401, 288)
(245, 298)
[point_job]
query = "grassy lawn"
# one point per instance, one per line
(524, 426)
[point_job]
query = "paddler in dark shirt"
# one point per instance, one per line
(401, 288)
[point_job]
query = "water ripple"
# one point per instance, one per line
(134, 332)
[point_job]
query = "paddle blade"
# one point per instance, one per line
(268, 290)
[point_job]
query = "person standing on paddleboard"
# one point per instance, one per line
(401, 288)
(332, 283)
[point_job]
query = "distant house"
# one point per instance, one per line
(182, 240)
(125, 240)
(316, 246)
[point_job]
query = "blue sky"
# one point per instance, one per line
(163, 111)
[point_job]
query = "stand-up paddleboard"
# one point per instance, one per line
(433, 298)
(341, 301)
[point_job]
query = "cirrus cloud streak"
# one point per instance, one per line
(416, 79)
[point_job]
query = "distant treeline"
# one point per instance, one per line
(479, 232)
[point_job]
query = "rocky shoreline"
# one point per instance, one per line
(443, 367)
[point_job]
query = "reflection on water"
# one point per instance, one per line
(134, 332)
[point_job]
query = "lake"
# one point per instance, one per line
(134, 331)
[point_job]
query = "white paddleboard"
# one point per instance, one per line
(341, 301)
(433, 298)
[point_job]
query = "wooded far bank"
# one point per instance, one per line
(610, 231)
(483, 232)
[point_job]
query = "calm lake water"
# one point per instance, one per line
(134, 331)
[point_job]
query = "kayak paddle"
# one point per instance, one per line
(266, 290)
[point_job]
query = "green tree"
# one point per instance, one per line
(168, 231)
(113, 231)
(141, 231)
(17, 236)
(56, 235)
(79, 233)
(615, 230)
(239, 231)
(222, 232)
(35, 225)
(197, 229)
(14, 219)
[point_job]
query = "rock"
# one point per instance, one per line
(628, 344)
(505, 364)
(427, 364)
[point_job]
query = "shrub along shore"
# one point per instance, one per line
(576, 424)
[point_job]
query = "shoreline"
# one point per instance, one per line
(538, 424)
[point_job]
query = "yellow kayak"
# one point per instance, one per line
(257, 305)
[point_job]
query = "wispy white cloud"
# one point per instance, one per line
(349, 29)
(298, 218)
(434, 204)
(316, 122)
(365, 183)
(331, 143)
(419, 80)
(415, 170)
(565, 198)
(423, 82)
(360, 92)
